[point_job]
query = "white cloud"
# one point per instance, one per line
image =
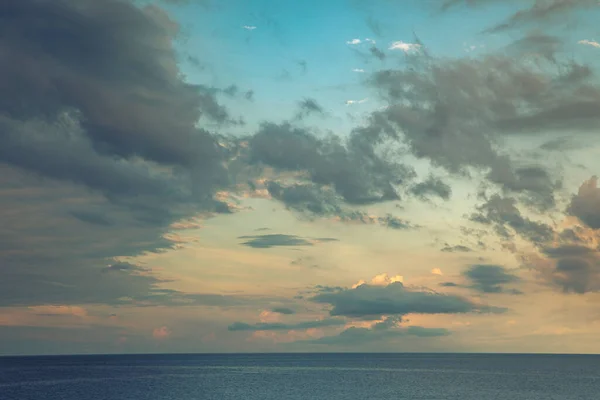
(590, 43)
(358, 70)
(384, 279)
(405, 47)
(436, 271)
(349, 102)
(249, 27)
(354, 41)
(381, 280)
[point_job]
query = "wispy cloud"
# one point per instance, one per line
(405, 47)
(592, 43)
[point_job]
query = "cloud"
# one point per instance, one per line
(432, 187)
(356, 170)
(381, 280)
(449, 284)
(354, 336)
(592, 43)
(161, 333)
(249, 27)
(314, 200)
(456, 249)
(310, 106)
(369, 301)
(501, 212)
(537, 12)
(491, 279)
(84, 143)
(535, 45)
(283, 310)
(354, 41)
(405, 47)
(457, 112)
(377, 53)
(124, 267)
(585, 205)
(350, 102)
(572, 268)
(278, 240)
(437, 271)
(276, 326)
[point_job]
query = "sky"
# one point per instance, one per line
(299, 176)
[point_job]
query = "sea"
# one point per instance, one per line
(301, 376)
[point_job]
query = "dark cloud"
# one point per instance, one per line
(283, 310)
(432, 187)
(502, 213)
(356, 170)
(491, 279)
(124, 266)
(449, 284)
(537, 44)
(585, 205)
(457, 112)
(456, 249)
(377, 53)
(357, 336)
(310, 106)
(100, 152)
(98, 87)
(276, 326)
(279, 240)
(314, 200)
(538, 12)
(395, 299)
(328, 289)
(393, 222)
(572, 268)
(118, 73)
(91, 217)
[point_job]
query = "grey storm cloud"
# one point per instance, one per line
(368, 301)
(432, 186)
(315, 200)
(355, 169)
(456, 112)
(100, 138)
(585, 205)
(573, 268)
(491, 279)
(276, 326)
(502, 213)
(95, 87)
(280, 240)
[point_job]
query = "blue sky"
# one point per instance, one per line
(301, 49)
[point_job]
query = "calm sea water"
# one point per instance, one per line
(301, 376)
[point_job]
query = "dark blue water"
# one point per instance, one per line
(301, 376)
